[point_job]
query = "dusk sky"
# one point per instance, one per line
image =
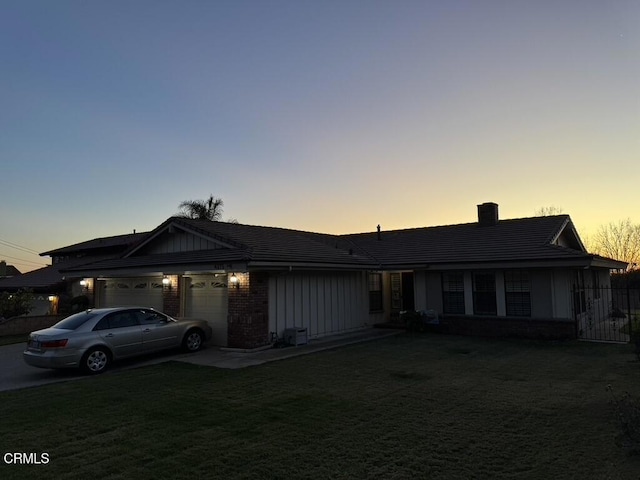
(327, 115)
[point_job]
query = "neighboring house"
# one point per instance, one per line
(50, 285)
(491, 277)
(7, 271)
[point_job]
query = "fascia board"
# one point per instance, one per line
(154, 270)
(309, 266)
(496, 265)
(568, 224)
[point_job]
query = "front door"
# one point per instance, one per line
(402, 296)
(408, 299)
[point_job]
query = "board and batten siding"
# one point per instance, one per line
(561, 290)
(323, 303)
(179, 242)
(542, 293)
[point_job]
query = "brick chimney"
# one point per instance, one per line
(487, 214)
(3, 269)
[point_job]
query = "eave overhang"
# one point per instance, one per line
(583, 262)
(264, 265)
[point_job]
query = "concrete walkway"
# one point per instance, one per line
(215, 357)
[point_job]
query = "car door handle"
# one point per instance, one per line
(109, 335)
(146, 330)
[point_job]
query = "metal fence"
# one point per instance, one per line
(606, 314)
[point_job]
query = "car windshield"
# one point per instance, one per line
(74, 321)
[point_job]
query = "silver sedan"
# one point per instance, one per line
(92, 339)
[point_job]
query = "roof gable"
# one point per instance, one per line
(174, 236)
(272, 244)
(567, 236)
(217, 243)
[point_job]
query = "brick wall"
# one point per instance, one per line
(248, 314)
(508, 327)
(171, 296)
(90, 292)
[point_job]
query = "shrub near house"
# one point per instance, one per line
(15, 304)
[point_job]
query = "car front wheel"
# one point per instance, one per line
(95, 360)
(193, 341)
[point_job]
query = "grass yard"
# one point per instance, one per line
(431, 406)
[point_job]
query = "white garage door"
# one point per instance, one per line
(142, 292)
(206, 298)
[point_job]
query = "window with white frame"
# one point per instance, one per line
(484, 294)
(517, 293)
(453, 292)
(375, 292)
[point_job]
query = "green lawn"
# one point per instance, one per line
(428, 406)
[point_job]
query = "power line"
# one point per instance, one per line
(40, 264)
(18, 247)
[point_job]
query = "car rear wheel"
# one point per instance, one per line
(96, 360)
(193, 340)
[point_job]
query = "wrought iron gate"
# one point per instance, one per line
(606, 314)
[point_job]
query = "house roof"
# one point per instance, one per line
(104, 243)
(52, 278)
(271, 244)
(48, 278)
(516, 240)
(8, 270)
(531, 241)
(249, 244)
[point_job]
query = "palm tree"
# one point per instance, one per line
(210, 209)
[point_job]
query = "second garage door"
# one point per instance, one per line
(206, 298)
(124, 292)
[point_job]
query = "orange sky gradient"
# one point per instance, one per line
(324, 116)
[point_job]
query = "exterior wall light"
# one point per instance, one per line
(53, 307)
(233, 279)
(83, 283)
(166, 281)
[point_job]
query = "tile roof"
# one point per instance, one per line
(516, 240)
(265, 244)
(115, 242)
(52, 277)
(508, 240)
(46, 278)
(250, 243)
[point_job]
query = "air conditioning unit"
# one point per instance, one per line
(295, 336)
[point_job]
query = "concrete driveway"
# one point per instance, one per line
(15, 373)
